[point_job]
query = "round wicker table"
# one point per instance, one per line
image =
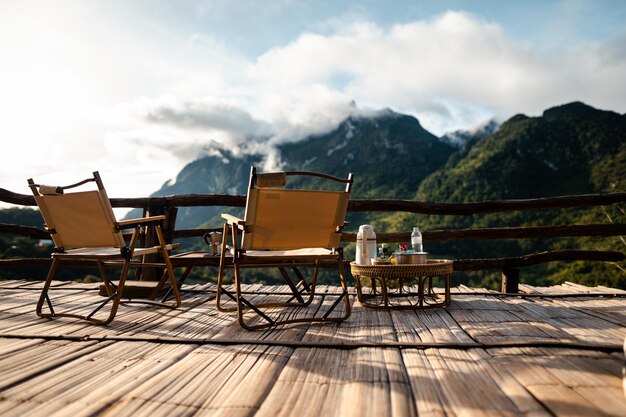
(408, 286)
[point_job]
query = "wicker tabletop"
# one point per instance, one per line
(407, 286)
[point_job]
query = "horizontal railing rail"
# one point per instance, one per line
(356, 205)
(488, 233)
(168, 205)
(465, 264)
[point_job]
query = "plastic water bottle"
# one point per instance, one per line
(416, 240)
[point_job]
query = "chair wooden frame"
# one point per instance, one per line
(285, 243)
(67, 215)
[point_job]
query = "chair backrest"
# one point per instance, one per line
(82, 219)
(280, 218)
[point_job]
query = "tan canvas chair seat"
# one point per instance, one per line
(291, 254)
(106, 253)
(83, 227)
(285, 228)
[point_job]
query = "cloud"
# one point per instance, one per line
(452, 72)
(154, 96)
(207, 116)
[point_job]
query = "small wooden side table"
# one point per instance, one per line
(402, 287)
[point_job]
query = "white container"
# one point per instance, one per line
(365, 245)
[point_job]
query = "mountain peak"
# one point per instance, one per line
(383, 114)
(573, 109)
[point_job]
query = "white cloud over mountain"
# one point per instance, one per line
(452, 72)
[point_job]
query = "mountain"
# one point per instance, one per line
(569, 149)
(565, 151)
(389, 154)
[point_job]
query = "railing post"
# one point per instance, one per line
(169, 225)
(510, 280)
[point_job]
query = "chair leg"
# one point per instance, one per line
(115, 297)
(105, 278)
(344, 296)
(241, 301)
(309, 290)
(183, 278)
(44, 292)
(297, 294)
(344, 286)
(220, 272)
(174, 289)
(243, 304)
(169, 272)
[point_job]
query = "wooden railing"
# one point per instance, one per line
(169, 206)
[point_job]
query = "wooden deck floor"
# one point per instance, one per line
(483, 355)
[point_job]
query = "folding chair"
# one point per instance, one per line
(83, 227)
(287, 229)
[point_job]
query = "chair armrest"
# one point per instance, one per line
(230, 219)
(125, 224)
(339, 229)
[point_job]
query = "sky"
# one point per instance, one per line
(137, 89)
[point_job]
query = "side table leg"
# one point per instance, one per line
(420, 290)
(383, 291)
(357, 284)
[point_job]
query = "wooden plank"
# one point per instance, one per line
(432, 326)
(208, 380)
(509, 384)
(609, 401)
(425, 386)
(15, 284)
(592, 329)
(10, 408)
(527, 289)
(28, 363)
(562, 400)
(567, 381)
(10, 346)
(363, 324)
(90, 383)
(609, 310)
(466, 388)
(365, 382)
